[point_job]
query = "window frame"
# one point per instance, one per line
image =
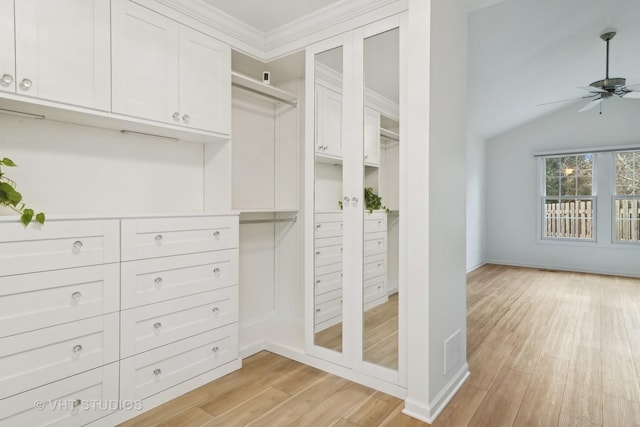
(615, 196)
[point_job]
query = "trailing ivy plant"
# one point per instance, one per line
(372, 201)
(12, 199)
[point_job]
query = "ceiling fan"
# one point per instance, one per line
(608, 87)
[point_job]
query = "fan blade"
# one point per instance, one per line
(632, 95)
(590, 105)
(568, 99)
(628, 86)
(592, 89)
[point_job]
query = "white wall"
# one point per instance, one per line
(512, 191)
(65, 168)
(476, 189)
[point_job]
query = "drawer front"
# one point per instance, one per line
(328, 229)
(375, 243)
(328, 306)
(375, 222)
(327, 269)
(47, 355)
(332, 216)
(74, 401)
(58, 245)
(374, 266)
(149, 373)
(37, 300)
(155, 325)
(159, 237)
(328, 282)
(154, 280)
(374, 289)
(328, 255)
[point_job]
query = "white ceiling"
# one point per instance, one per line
(269, 15)
(527, 52)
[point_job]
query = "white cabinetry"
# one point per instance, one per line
(166, 72)
(62, 51)
(328, 123)
(7, 47)
(371, 137)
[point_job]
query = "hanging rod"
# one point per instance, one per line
(254, 86)
(265, 221)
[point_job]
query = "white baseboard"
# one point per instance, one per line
(470, 269)
(564, 268)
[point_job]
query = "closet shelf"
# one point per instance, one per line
(265, 210)
(389, 134)
(255, 86)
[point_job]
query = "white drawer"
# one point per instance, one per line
(328, 282)
(331, 216)
(159, 237)
(89, 392)
(38, 300)
(375, 243)
(149, 373)
(328, 306)
(155, 325)
(375, 222)
(47, 355)
(326, 255)
(328, 229)
(374, 289)
(57, 245)
(154, 280)
(327, 269)
(374, 265)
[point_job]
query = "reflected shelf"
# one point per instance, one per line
(255, 86)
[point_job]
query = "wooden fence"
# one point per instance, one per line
(569, 219)
(575, 219)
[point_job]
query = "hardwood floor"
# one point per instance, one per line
(545, 349)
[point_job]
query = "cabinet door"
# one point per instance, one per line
(63, 51)
(205, 82)
(328, 122)
(146, 63)
(371, 137)
(7, 45)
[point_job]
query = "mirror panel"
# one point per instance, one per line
(328, 193)
(381, 215)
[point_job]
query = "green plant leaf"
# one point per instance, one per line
(40, 218)
(27, 216)
(8, 162)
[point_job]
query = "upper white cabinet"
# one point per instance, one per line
(62, 50)
(328, 122)
(371, 137)
(7, 46)
(166, 72)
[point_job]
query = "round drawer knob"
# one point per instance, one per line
(215, 310)
(158, 281)
(215, 349)
(317, 310)
(6, 79)
(157, 371)
(157, 325)
(77, 403)
(186, 118)
(318, 253)
(318, 225)
(158, 239)
(77, 245)
(25, 84)
(176, 117)
(76, 296)
(318, 281)
(216, 234)
(77, 348)
(216, 272)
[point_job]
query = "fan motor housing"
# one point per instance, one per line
(610, 85)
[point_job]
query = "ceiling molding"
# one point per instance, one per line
(473, 5)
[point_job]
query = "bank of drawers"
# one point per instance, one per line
(328, 264)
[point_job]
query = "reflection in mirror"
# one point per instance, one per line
(381, 216)
(328, 197)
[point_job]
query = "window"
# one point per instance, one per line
(568, 199)
(626, 201)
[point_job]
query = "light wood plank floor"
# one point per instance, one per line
(544, 348)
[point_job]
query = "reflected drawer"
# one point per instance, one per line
(328, 229)
(375, 243)
(159, 237)
(38, 300)
(325, 255)
(374, 289)
(327, 269)
(374, 265)
(46, 355)
(375, 222)
(328, 282)
(58, 245)
(155, 325)
(328, 306)
(154, 280)
(149, 373)
(74, 401)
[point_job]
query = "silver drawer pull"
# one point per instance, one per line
(318, 281)
(318, 253)
(216, 272)
(216, 234)
(379, 264)
(215, 310)
(215, 349)
(77, 245)
(157, 325)
(380, 222)
(77, 403)
(317, 310)
(157, 371)
(77, 348)
(76, 296)
(318, 225)
(380, 287)
(380, 242)
(158, 281)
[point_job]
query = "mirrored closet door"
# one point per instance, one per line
(353, 200)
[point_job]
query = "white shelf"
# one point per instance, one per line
(265, 210)
(389, 134)
(252, 85)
